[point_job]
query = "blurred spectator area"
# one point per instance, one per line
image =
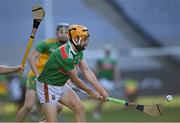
(159, 18)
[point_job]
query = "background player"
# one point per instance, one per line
(108, 75)
(37, 59)
(51, 86)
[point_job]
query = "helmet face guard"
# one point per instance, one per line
(79, 36)
(81, 44)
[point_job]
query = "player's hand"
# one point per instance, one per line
(104, 94)
(19, 69)
(95, 95)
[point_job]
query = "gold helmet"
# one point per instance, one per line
(78, 32)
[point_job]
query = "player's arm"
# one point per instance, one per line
(7, 70)
(34, 56)
(90, 77)
(32, 59)
(79, 83)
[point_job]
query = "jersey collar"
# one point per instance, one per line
(71, 49)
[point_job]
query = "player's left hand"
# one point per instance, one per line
(95, 95)
(20, 69)
(104, 94)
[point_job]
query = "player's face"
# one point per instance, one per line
(63, 34)
(84, 43)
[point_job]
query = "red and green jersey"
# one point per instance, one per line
(45, 48)
(106, 68)
(60, 61)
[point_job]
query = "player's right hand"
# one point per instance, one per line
(105, 95)
(95, 95)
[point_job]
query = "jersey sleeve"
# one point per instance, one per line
(41, 47)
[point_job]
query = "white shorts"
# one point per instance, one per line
(50, 93)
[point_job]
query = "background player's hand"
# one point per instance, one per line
(19, 69)
(95, 95)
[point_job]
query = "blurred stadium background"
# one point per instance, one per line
(144, 36)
